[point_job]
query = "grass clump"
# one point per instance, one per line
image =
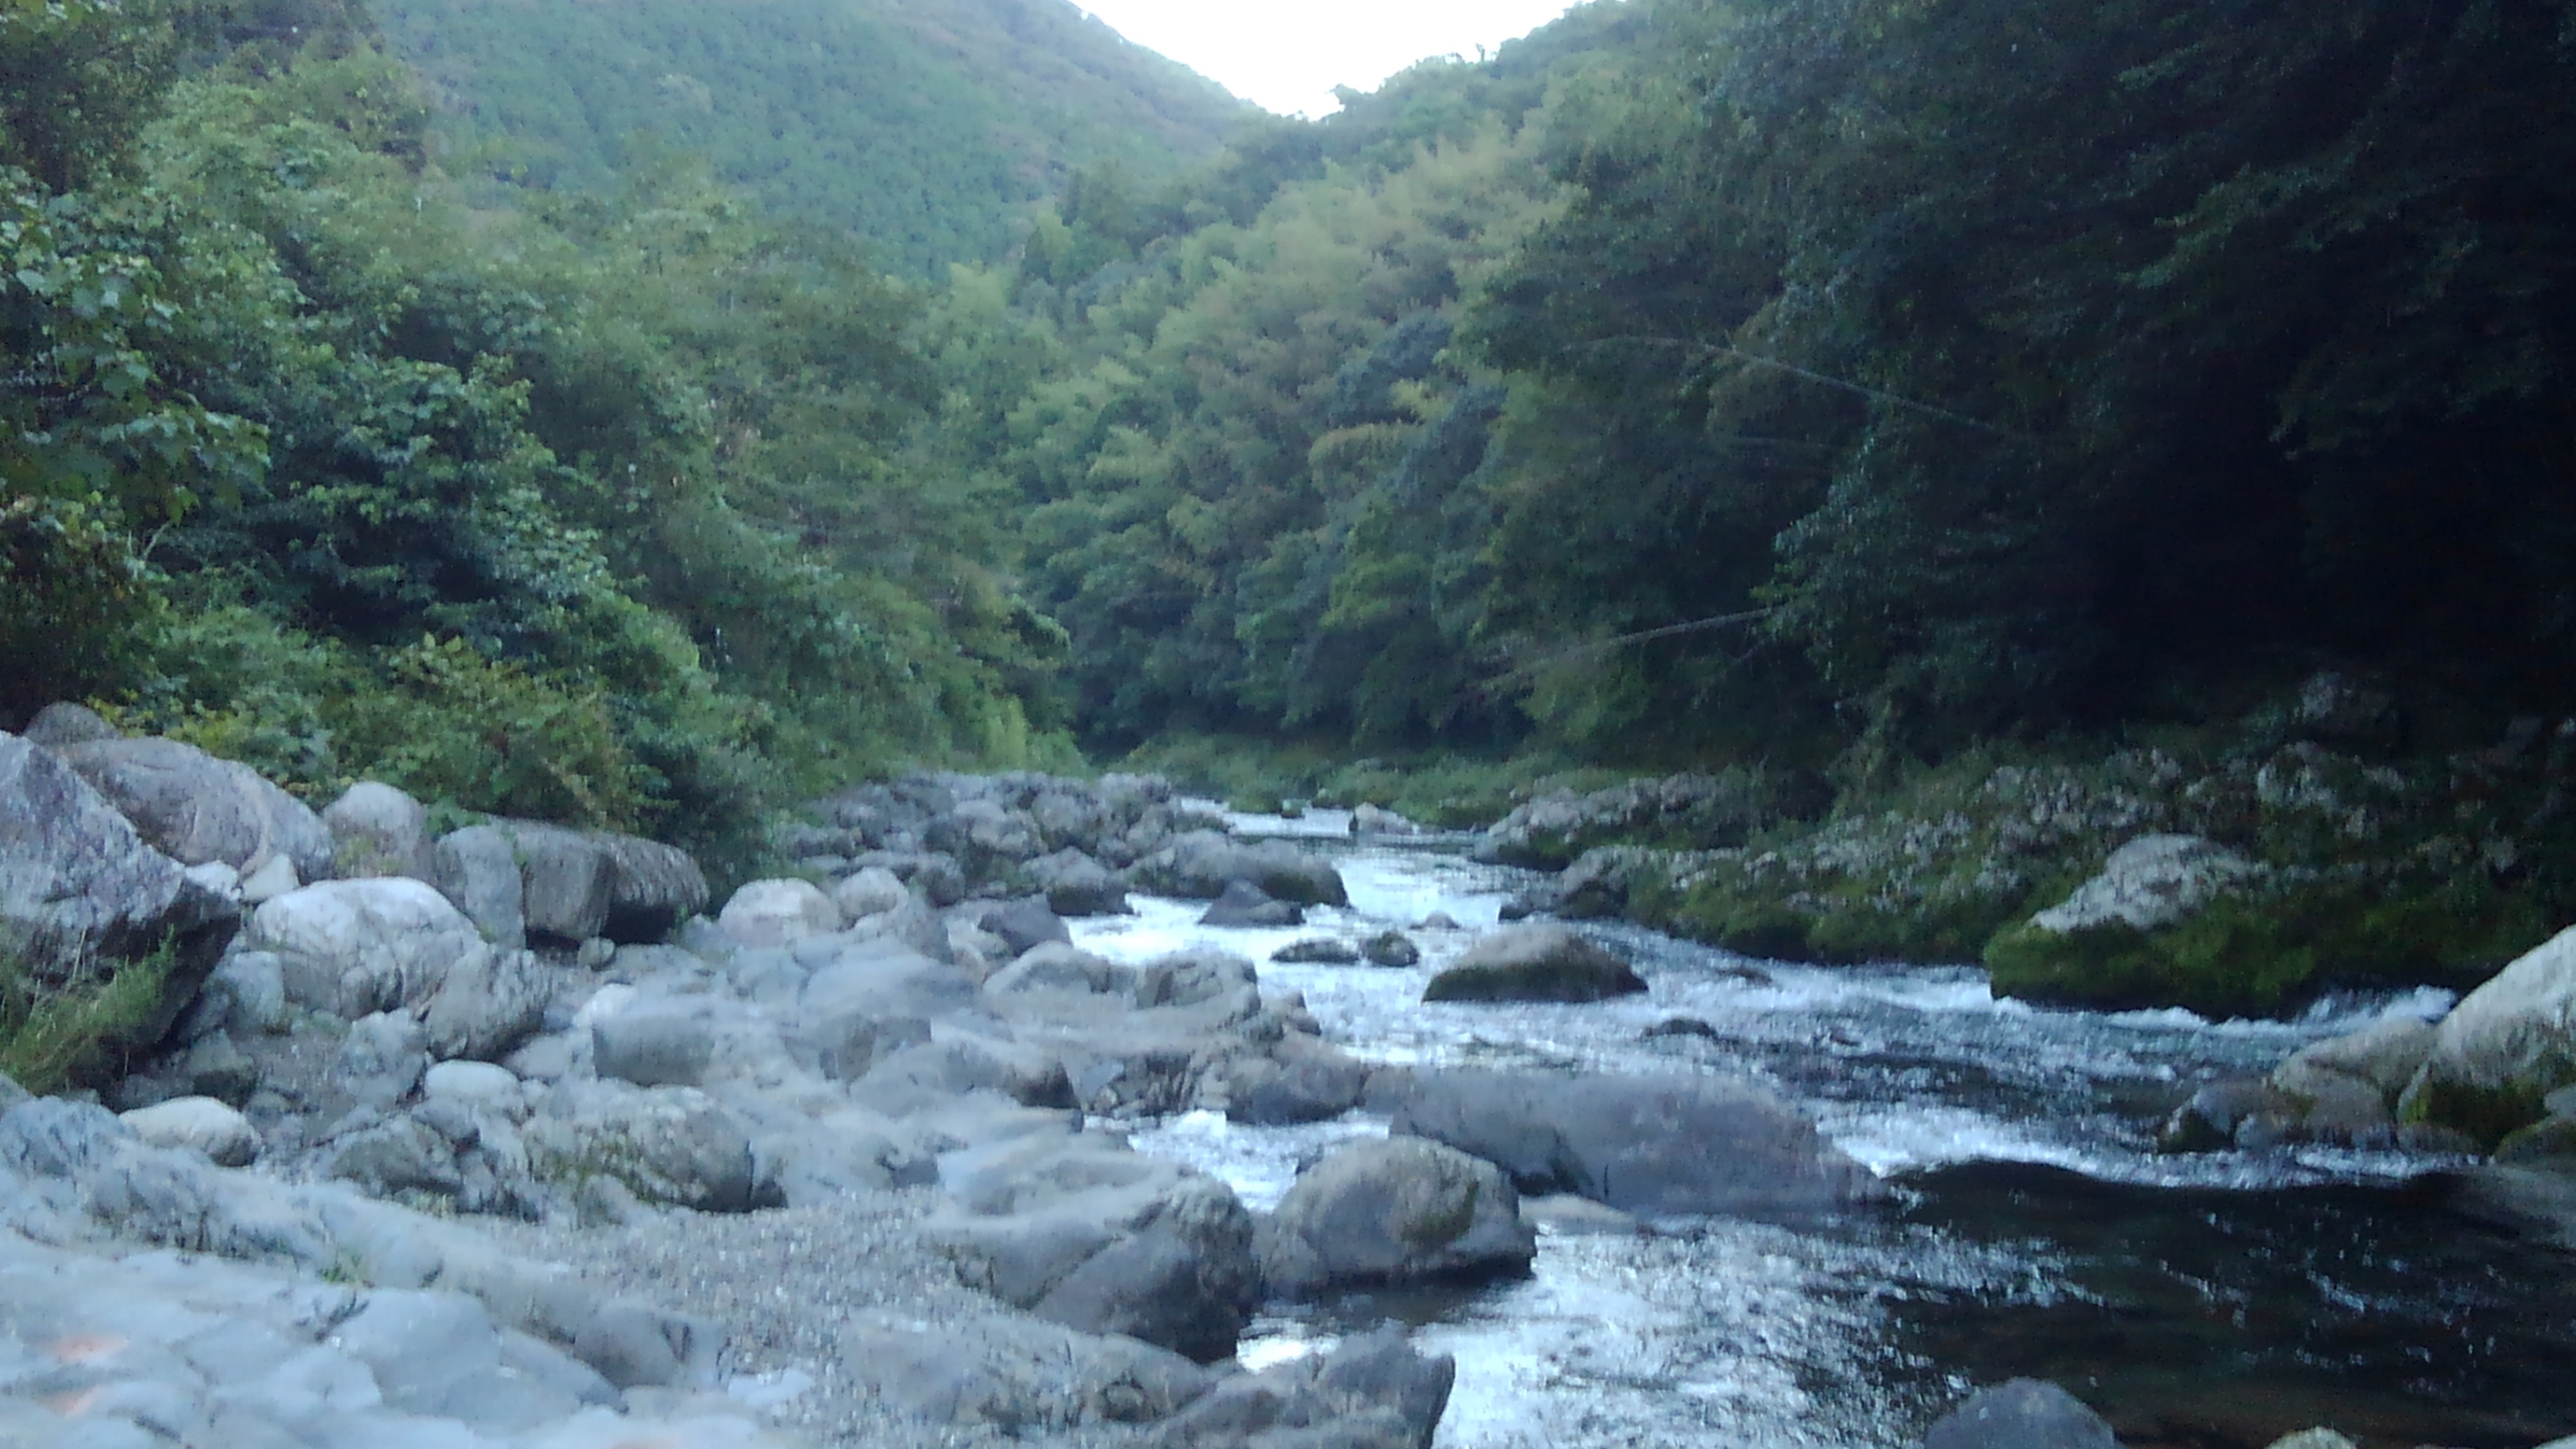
(78, 1034)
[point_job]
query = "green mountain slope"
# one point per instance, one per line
(924, 125)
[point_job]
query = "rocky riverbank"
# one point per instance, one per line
(2240, 873)
(512, 1136)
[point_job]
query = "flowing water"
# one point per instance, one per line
(2211, 1301)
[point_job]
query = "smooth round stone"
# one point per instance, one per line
(472, 1083)
(201, 1123)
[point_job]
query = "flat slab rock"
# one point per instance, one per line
(1535, 963)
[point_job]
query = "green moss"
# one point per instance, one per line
(2491, 1115)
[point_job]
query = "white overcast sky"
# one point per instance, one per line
(1289, 57)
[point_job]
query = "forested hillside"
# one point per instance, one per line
(1822, 390)
(927, 126)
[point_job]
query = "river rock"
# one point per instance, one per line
(2504, 1048)
(653, 889)
(477, 869)
(1373, 1391)
(359, 946)
(1074, 884)
(490, 1003)
(1392, 949)
(1023, 925)
(567, 880)
(378, 830)
(778, 913)
(199, 1124)
(2384, 1057)
(196, 808)
(483, 1086)
(1654, 1145)
(673, 1145)
(1243, 904)
(1534, 963)
(867, 891)
(2021, 1414)
(65, 723)
(1298, 1080)
(1401, 1210)
(1317, 951)
(1200, 864)
(1017, 1375)
(1098, 1238)
(1374, 820)
(81, 893)
(2153, 882)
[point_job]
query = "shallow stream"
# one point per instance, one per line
(2210, 1301)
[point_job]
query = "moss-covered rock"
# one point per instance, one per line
(1535, 963)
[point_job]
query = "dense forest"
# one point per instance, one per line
(1827, 387)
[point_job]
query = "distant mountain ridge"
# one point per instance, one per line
(925, 125)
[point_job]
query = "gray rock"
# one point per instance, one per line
(11, 1094)
(567, 880)
(2021, 1414)
(196, 808)
(1401, 1210)
(1025, 924)
(1534, 963)
(216, 1066)
(1243, 904)
(254, 987)
(2506, 1046)
(81, 894)
(56, 1137)
(1564, 1215)
(1299, 1081)
(654, 888)
(382, 1058)
(2150, 883)
(198, 1124)
(966, 1062)
(778, 913)
(672, 1145)
(438, 1354)
(1074, 884)
(870, 998)
(2385, 1056)
(1392, 949)
(399, 1155)
(911, 924)
(477, 869)
(361, 946)
(1653, 1145)
(1200, 864)
(491, 1003)
(2227, 1113)
(1374, 1391)
(653, 1047)
(1183, 1277)
(64, 723)
(934, 875)
(1374, 820)
(480, 1086)
(872, 889)
(378, 830)
(1016, 1375)
(631, 1345)
(1317, 951)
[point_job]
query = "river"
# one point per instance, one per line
(2210, 1301)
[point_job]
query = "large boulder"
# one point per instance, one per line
(2150, 883)
(2021, 1414)
(199, 1124)
(82, 896)
(353, 947)
(1659, 1145)
(1298, 1079)
(2500, 1053)
(1243, 904)
(197, 809)
(673, 1145)
(1534, 963)
(1074, 884)
(1017, 1375)
(1402, 1210)
(1373, 1391)
(65, 723)
(378, 830)
(567, 880)
(490, 1003)
(1086, 1233)
(778, 913)
(477, 869)
(653, 888)
(1200, 864)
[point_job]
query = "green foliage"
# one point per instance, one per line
(926, 128)
(55, 1036)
